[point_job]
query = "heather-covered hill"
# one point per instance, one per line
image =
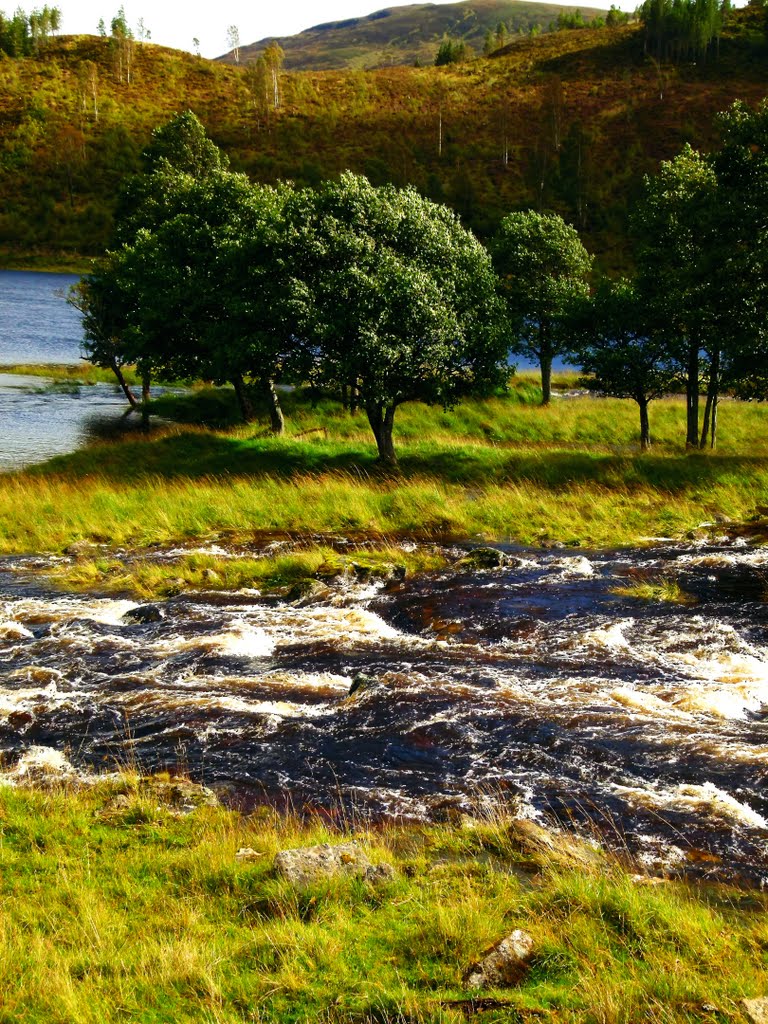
(409, 34)
(568, 121)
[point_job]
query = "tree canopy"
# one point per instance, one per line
(544, 268)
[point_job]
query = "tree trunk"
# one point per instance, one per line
(645, 426)
(713, 431)
(382, 419)
(709, 427)
(277, 420)
(545, 362)
(354, 397)
(692, 397)
(243, 399)
(117, 370)
(146, 381)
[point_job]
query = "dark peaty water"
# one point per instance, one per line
(537, 679)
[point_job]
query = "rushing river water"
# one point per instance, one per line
(645, 719)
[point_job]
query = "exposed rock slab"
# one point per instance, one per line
(756, 1010)
(310, 864)
(504, 964)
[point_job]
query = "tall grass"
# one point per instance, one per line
(130, 912)
(573, 481)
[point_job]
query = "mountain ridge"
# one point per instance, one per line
(406, 35)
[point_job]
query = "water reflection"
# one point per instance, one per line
(40, 419)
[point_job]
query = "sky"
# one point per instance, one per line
(176, 23)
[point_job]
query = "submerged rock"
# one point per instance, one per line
(482, 558)
(504, 964)
(361, 683)
(144, 614)
(307, 592)
(310, 864)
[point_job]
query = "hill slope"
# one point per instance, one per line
(568, 121)
(407, 35)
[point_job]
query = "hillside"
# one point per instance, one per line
(407, 35)
(568, 121)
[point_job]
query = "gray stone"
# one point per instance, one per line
(143, 614)
(504, 964)
(756, 1010)
(379, 874)
(313, 863)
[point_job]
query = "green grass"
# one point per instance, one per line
(146, 577)
(501, 469)
(114, 913)
(662, 590)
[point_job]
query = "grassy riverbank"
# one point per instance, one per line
(497, 470)
(122, 909)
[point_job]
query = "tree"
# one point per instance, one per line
(99, 300)
(180, 145)
(399, 299)
(203, 290)
(273, 61)
(738, 267)
(450, 51)
(543, 269)
(679, 261)
(233, 42)
(622, 352)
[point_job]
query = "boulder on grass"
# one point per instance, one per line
(504, 964)
(311, 864)
(756, 1010)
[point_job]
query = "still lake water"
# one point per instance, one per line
(38, 420)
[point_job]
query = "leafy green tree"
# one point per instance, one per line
(544, 270)
(201, 293)
(400, 299)
(100, 302)
(679, 261)
(622, 352)
(739, 266)
(179, 146)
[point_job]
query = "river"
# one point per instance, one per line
(642, 721)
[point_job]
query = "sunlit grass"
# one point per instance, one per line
(146, 577)
(661, 590)
(573, 481)
(132, 912)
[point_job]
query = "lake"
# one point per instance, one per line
(36, 324)
(37, 418)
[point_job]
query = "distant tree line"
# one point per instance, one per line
(383, 297)
(22, 34)
(679, 30)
